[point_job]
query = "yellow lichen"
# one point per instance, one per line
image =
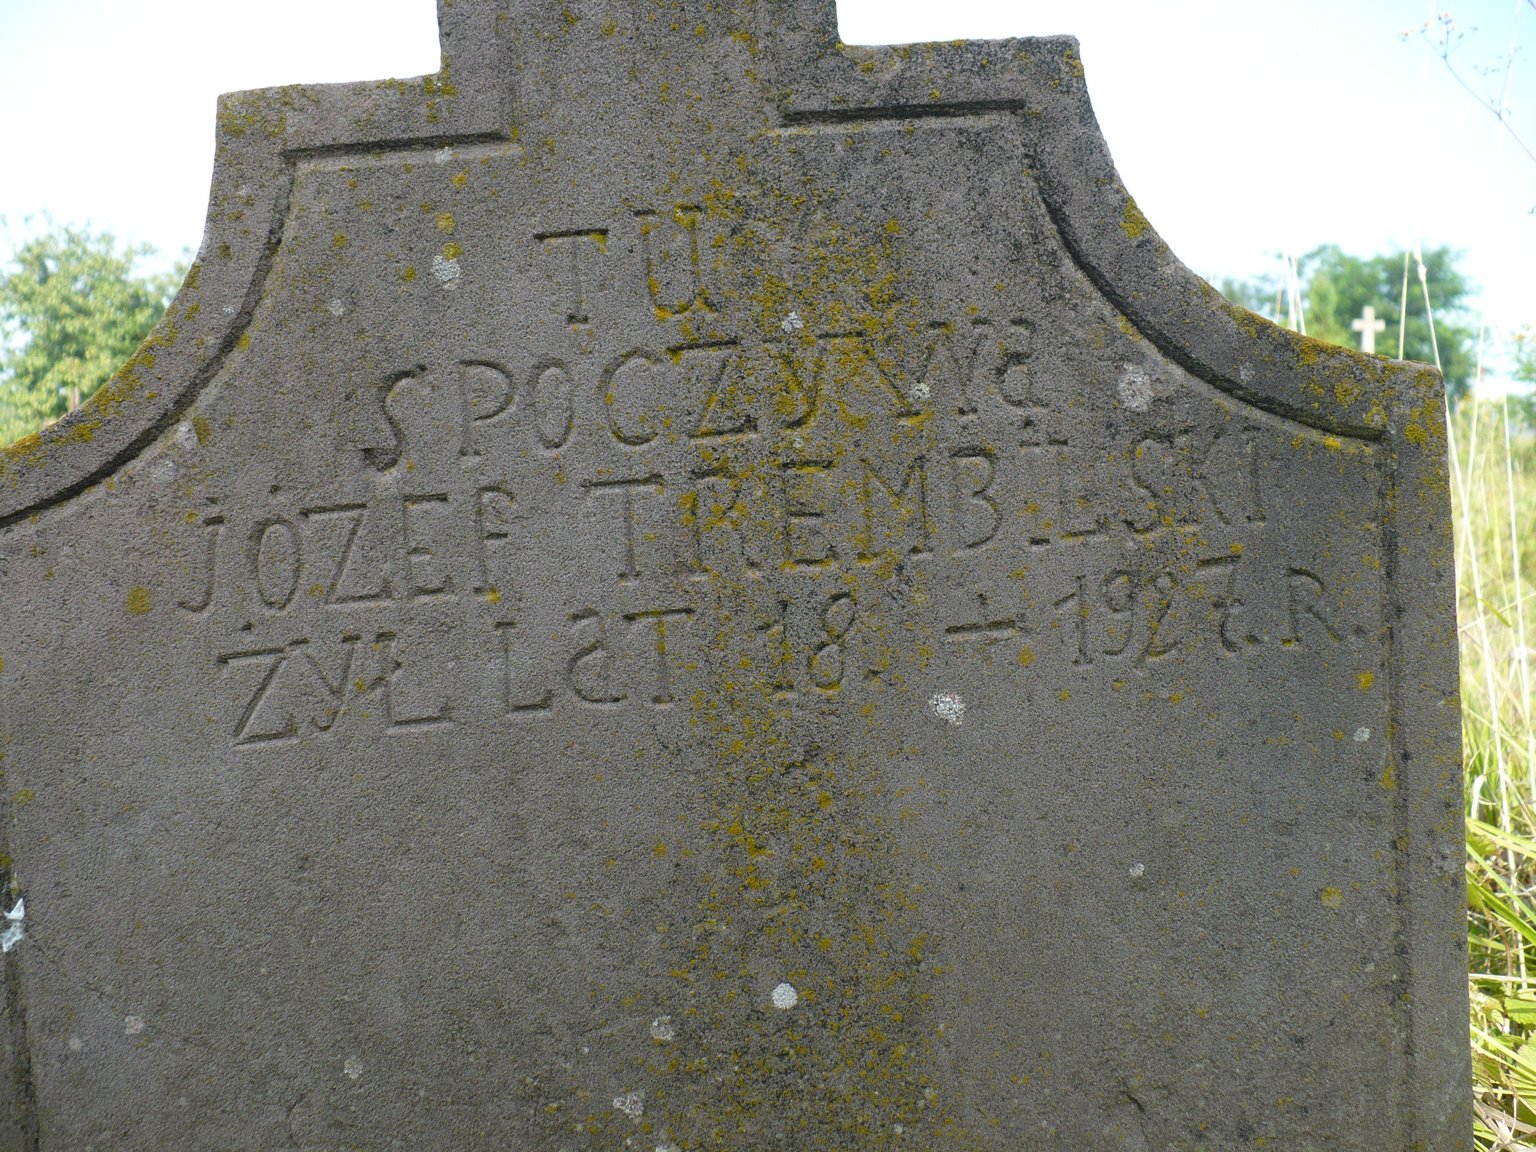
(1132, 222)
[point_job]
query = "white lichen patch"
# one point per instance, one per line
(663, 1029)
(921, 391)
(352, 1067)
(446, 269)
(792, 322)
(632, 1104)
(785, 997)
(1138, 870)
(442, 156)
(1362, 735)
(15, 925)
(338, 308)
(948, 707)
(133, 1025)
(1135, 389)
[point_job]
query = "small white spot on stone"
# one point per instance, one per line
(446, 270)
(442, 156)
(667, 1148)
(663, 1029)
(1138, 870)
(186, 435)
(792, 322)
(921, 390)
(229, 309)
(1135, 389)
(165, 470)
(133, 1025)
(1245, 374)
(785, 997)
(76, 1044)
(352, 1067)
(948, 706)
(898, 1129)
(338, 308)
(632, 1104)
(1362, 735)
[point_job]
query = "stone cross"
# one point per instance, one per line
(682, 584)
(1367, 325)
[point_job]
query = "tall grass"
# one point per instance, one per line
(1494, 498)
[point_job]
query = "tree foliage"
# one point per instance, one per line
(1336, 287)
(72, 310)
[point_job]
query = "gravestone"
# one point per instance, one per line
(683, 585)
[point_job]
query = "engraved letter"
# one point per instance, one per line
(662, 284)
(494, 514)
(976, 513)
(337, 689)
(517, 701)
(574, 244)
(1304, 596)
(553, 414)
(906, 512)
(383, 457)
(351, 517)
(432, 577)
(590, 669)
(953, 353)
(804, 544)
(486, 391)
(276, 557)
(631, 570)
(386, 682)
(215, 526)
(722, 415)
(247, 731)
(662, 696)
(635, 372)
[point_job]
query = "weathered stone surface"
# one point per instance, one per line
(682, 585)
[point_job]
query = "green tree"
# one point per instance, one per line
(1336, 287)
(72, 310)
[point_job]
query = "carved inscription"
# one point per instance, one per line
(585, 526)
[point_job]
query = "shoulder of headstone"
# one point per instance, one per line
(260, 138)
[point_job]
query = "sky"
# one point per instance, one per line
(1244, 130)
